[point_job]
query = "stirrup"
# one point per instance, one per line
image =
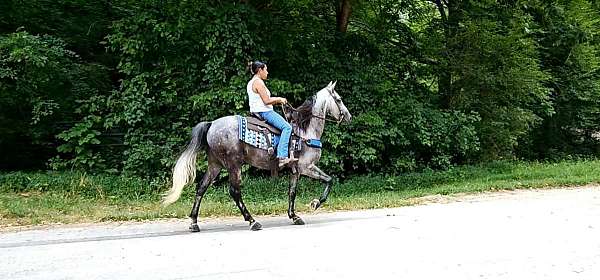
(285, 161)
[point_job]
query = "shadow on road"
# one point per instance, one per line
(176, 229)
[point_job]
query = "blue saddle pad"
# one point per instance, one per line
(255, 138)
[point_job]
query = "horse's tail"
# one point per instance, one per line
(185, 168)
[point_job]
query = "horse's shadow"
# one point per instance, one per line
(278, 223)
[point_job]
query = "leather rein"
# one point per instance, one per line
(313, 115)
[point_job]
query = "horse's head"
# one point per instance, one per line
(335, 106)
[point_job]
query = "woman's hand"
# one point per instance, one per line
(282, 100)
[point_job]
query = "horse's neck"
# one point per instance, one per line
(317, 125)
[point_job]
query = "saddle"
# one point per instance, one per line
(256, 122)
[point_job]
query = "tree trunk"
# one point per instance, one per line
(344, 10)
(449, 14)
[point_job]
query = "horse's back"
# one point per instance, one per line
(223, 133)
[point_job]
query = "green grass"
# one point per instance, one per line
(60, 197)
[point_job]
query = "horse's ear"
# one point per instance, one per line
(333, 86)
(330, 83)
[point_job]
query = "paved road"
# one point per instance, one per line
(550, 234)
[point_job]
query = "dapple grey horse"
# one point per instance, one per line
(219, 139)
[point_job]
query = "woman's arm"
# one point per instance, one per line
(259, 87)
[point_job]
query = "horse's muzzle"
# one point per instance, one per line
(347, 118)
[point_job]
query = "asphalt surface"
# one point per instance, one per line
(543, 234)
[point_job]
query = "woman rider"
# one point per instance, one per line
(261, 103)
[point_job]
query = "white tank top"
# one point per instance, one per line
(256, 103)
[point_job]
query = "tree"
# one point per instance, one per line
(489, 65)
(343, 11)
(41, 83)
(567, 33)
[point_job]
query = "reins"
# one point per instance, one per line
(313, 115)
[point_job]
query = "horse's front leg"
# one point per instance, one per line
(316, 173)
(292, 199)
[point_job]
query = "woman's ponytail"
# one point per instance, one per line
(249, 67)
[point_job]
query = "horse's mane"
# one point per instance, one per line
(303, 114)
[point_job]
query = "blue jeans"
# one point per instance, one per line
(274, 119)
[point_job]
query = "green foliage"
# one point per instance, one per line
(568, 36)
(116, 86)
(182, 62)
(69, 197)
(490, 67)
(404, 132)
(40, 83)
(81, 185)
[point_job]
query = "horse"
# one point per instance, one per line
(219, 139)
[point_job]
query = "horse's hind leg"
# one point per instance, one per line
(292, 199)
(235, 181)
(209, 176)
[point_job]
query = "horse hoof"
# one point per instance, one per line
(194, 228)
(314, 204)
(298, 221)
(255, 226)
